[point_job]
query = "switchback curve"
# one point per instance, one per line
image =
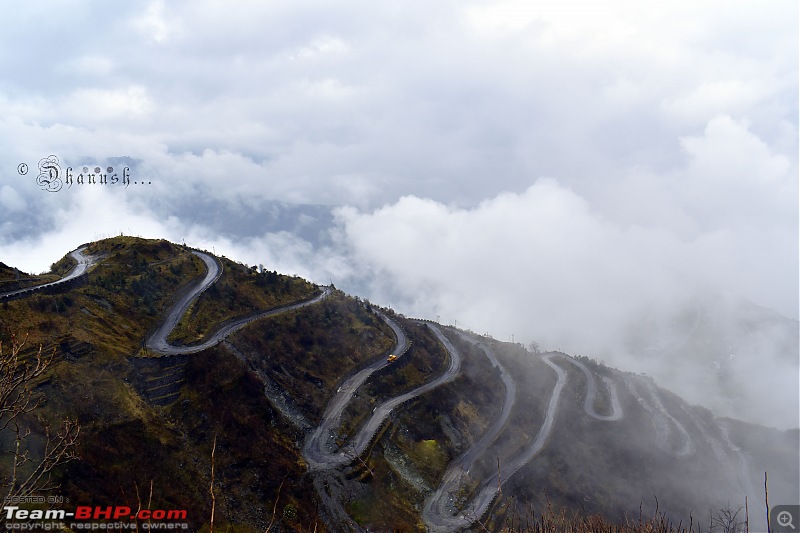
(438, 512)
(84, 262)
(158, 343)
(591, 395)
(435, 512)
(316, 450)
(662, 419)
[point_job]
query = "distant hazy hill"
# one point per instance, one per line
(150, 420)
(725, 353)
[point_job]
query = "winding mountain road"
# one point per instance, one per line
(158, 343)
(439, 514)
(591, 394)
(319, 450)
(317, 447)
(438, 509)
(662, 420)
(468, 458)
(84, 263)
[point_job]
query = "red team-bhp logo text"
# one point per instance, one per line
(87, 517)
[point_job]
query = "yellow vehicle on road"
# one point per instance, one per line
(391, 359)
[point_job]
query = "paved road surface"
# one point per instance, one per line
(441, 521)
(158, 341)
(317, 450)
(438, 507)
(84, 262)
(662, 420)
(591, 394)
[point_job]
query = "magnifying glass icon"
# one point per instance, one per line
(785, 519)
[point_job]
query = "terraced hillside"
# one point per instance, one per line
(165, 354)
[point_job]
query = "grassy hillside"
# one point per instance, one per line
(412, 453)
(127, 443)
(110, 314)
(149, 423)
(240, 291)
(12, 279)
(425, 359)
(307, 353)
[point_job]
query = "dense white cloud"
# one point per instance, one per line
(426, 100)
(545, 266)
(538, 168)
(10, 199)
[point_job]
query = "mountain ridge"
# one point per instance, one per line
(305, 354)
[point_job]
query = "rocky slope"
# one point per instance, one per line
(506, 431)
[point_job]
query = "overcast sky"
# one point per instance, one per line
(552, 170)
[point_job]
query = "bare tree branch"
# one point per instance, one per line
(19, 375)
